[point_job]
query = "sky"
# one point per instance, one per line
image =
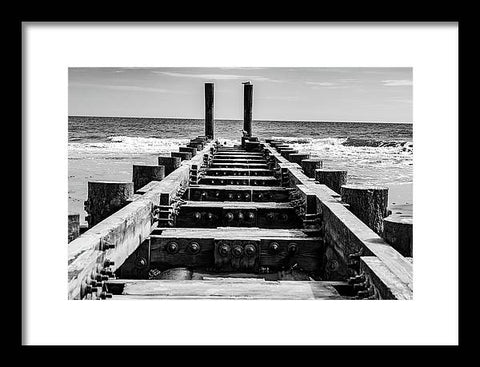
(300, 94)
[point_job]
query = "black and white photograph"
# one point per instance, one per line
(236, 183)
(240, 183)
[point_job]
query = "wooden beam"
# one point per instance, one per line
(121, 232)
(226, 288)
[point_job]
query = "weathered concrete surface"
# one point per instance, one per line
(124, 231)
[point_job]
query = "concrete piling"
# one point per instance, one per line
(142, 175)
(368, 203)
(247, 108)
(105, 198)
(298, 157)
(209, 111)
(310, 165)
(170, 163)
(182, 155)
(192, 150)
(332, 178)
(398, 232)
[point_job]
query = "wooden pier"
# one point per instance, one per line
(258, 220)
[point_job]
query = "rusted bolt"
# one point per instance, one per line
(172, 247)
(140, 262)
(356, 279)
(359, 286)
(223, 250)
(274, 247)
(108, 263)
(292, 248)
(197, 216)
(107, 245)
(237, 251)
(90, 289)
(250, 250)
(194, 248)
(105, 295)
(229, 217)
(108, 273)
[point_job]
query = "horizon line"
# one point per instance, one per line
(260, 120)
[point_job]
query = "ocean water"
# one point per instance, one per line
(105, 148)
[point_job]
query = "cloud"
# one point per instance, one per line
(397, 83)
(120, 87)
(321, 84)
(217, 76)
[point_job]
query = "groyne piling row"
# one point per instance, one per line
(258, 220)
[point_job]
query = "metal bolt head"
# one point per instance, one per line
(108, 262)
(250, 216)
(90, 289)
(274, 247)
(292, 248)
(247, 196)
(197, 215)
(250, 250)
(230, 196)
(270, 217)
(229, 216)
(140, 262)
(194, 248)
(237, 251)
(105, 295)
(224, 250)
(172, 247)
(210, 216)
(283, 217)
(240, 216)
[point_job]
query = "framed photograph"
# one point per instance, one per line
(263, 183)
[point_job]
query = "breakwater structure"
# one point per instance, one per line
(258, 220)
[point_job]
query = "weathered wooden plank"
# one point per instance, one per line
(238, 172)
(345, 232)
(237, 193)
(239, 165)
(229, 232)
(240, 180)
(123, 231)
(227, 288)
(387, 284)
